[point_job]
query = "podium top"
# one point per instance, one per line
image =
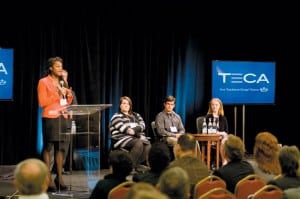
(85, 109)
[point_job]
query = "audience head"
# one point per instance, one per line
(120, 162)
(289, 159)
(266, 152)
(186, 143)
(159, 156)
(215, 103)
(143, 190)
(175, 183)
(234, 148)
(31, 177)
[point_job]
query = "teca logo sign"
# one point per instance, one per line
(240, 78)
(244, 82)
(3, 69)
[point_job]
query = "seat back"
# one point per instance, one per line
(120, 191)
(207, 184)
(248, 185)
(218, 193)
(199, 122)
(157, 137)
(268, 192)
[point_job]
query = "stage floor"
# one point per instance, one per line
(80, 183)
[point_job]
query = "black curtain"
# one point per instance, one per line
(145, 54)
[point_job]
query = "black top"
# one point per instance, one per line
(149, 177)
(103, 187)
(286, 182)
(233, 172)
(223, 125)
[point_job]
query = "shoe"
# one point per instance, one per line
(133, 172)
(59, 185)
(51, 188)
(142, 168)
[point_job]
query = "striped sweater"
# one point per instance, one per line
(119, 125)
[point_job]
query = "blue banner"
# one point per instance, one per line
(244, 82)
(6, 74)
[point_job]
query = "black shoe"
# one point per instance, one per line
(51, 189)
(59, 186)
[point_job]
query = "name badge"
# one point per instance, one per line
(173, 129)
(63, 102)
(133, 125)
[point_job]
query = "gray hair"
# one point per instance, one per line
(31, 176)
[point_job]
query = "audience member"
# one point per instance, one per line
(120, 166)
(168, 123)
(31, 179)
(186, 158)
(127, 131)
(291, 193)
(143, 190)
(265, 160)
(224, 161)
(237, 167)
(53, 97)
(159, 159)
(289, 159)
(174, 182)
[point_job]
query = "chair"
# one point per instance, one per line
(160, 138)
(277, 177)
(199, 122)
(268, 192)
(120, 191)
(248, 185)
(157, 137)
(218, 193)
(207, 184)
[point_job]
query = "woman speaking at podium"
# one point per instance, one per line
(53, 96)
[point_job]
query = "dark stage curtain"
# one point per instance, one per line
(104, 63)
(143, 56)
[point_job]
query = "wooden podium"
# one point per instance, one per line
(88, 125)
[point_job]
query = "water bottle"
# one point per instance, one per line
(214, 126)
(204, 126)
(73, 127)
(209, 126)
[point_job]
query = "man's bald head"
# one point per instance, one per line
(31, 176)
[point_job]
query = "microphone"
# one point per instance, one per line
(62, 83)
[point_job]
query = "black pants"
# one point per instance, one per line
(139, 151)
